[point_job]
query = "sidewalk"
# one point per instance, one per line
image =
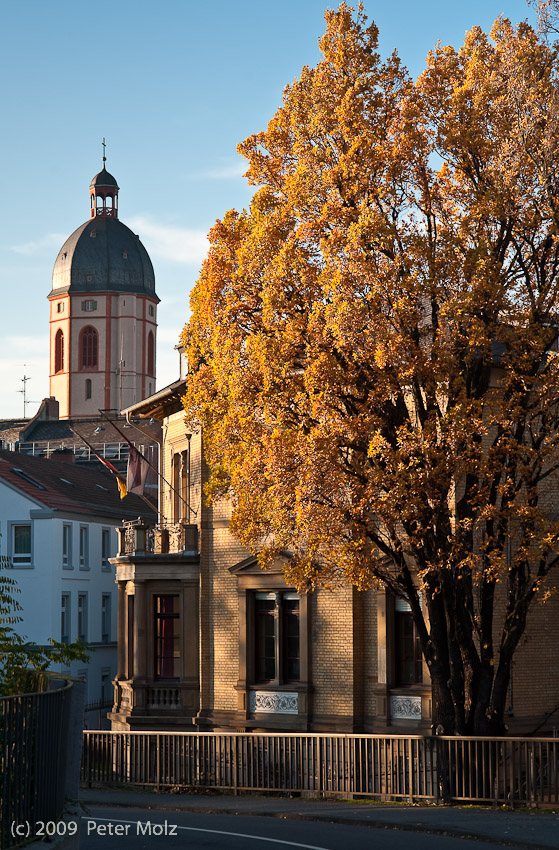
(538, 829)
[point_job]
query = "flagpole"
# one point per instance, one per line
(158, 473)
(116, 472)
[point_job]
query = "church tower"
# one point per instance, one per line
(102, 313)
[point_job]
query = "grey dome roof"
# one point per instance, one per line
(103, 178)
(103, 255)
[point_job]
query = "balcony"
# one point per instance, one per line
(138, 538)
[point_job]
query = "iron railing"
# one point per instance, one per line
(510, 771)
(32, 759)
(139, 538)
(44, 448)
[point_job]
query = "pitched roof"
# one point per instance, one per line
(69, 487)
(161, 403)
(97, 431)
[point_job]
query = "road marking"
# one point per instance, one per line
(220, 832)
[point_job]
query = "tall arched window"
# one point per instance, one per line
(59, 351)
(89, 348)
(151, 354)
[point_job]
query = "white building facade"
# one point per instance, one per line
(60, 545)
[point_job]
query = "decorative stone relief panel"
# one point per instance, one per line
(270, 702)
(405, 708)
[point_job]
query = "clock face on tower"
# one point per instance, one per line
(103, 312)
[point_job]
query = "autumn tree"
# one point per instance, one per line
(372, 344)
(548, 15)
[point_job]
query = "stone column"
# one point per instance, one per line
(121, 631)
(190, 647)
(140, 630)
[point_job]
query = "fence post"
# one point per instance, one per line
(235, 791)
(411, 772)
(74, 739)
(158, 760)
(435, 768)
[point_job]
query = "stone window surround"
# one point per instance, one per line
(251, 579)
(139, 658)
(409, 704)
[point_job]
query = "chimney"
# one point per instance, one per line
(63, 456)
(51, 409)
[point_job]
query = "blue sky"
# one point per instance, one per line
(173, 87)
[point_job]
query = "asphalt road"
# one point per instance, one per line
(138, 829)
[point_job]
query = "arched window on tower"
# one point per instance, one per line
(151, 354)
(89, 348)
(59, 351)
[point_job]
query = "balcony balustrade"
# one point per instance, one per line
(138, 538)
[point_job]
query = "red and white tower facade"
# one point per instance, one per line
(103, 313)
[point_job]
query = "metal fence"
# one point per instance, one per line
(513, 771)
(32, 759)
(45, 448)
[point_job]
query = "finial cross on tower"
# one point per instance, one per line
(104, 146)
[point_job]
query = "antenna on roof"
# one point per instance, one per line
(104, 157)
(26, 401)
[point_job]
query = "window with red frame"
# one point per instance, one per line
(151, 354)
(89, 348)
(59, 351)
(166, 633)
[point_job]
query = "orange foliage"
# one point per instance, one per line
(370, 343)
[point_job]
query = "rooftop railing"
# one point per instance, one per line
(110, 451)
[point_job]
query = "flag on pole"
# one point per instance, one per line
(121, 483)
(137, 471)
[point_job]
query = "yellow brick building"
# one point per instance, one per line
(207, 639)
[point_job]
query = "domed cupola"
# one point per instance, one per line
(103, 193)
(103, 254)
